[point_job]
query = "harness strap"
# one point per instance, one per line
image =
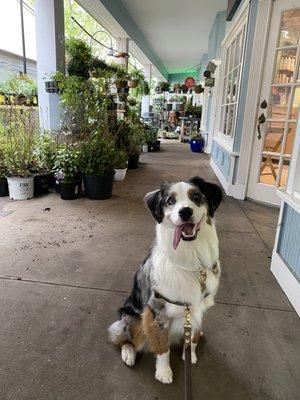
(176, 303)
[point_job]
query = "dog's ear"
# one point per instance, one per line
(212, 192)
(155, 201)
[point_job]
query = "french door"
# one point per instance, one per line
(278, 105)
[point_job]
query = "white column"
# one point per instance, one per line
(123, 45)
(146, 99)
(50, 53)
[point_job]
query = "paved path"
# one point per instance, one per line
(65, 272)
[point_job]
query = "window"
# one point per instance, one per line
(233, 55)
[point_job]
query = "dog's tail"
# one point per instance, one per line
(118, 332)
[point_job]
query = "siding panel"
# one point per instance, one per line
(289, 239)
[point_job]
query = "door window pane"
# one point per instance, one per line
(269, 170)
(230, 120)
(285, 66)
(289, 33)
(279, 102)
(290, 139)
(273, 137)
(238, 50)
(296, 103)
(235, 84)
(284, 172)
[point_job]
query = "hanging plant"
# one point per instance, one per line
(198, 89)
(121, 54)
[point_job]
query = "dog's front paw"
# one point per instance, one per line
(128, 354)
(194, 358)
(164, 375)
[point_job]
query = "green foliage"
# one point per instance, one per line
(195, 111)
(83, 102)
(18, 141)
(119, 71)
(79, 56)
(66, 163)
(97, 154)
(120, 161)
(143, 88)
(129, 136)
(150, 135)
(163, 86)
(20, 86)
(45, 151)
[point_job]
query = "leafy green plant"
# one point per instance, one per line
(97, 154)
(45, 152)
(163, 86)
(119, 71)
(143, 88)
(83, 102)
(195, 111)
(66, 165)
(18, 142)
(120, 161)
(79, 57)
(19, 86)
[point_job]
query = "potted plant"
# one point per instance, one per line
(3, 172)
(197, 143)
(97, 66)
(97, 157)
(18, 151)
(134, 145)
(79, 58)
(121, 75)
(176, 87)
(163, 87)
(198, 89)
(66, 167)
(184, 88)
(19, 90)
(43, 164)
(120, 164)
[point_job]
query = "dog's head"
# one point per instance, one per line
(184, 205)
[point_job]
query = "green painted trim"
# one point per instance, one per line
(121, 14)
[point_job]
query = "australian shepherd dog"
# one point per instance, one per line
(183, 266)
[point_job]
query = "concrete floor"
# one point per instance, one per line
(64, 272)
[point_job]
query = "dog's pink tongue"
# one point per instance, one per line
(177, 236)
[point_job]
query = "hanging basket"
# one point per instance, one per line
(121, 54)
(133, 83)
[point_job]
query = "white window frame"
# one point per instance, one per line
(239, 26)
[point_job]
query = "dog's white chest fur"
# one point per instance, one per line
(176, 274)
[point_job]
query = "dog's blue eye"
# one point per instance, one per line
(171, 201)
(196, 197)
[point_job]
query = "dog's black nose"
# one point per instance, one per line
(185, 213)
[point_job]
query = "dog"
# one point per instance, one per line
(183, 266)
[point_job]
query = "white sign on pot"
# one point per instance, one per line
(20, 188)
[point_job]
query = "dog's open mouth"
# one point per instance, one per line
(186, 232)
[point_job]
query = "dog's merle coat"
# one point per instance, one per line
(186, 243)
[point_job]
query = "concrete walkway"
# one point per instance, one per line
(65, 271)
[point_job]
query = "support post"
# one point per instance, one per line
(146, 99)
(50, 52)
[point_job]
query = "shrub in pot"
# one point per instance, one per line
(97, 156)
(184, 88)
(136, 138)
(120, 74)
(66, 167)
(43, 164)
(18, 145)
(3, 173)
(120, 165)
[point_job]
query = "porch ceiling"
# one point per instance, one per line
(177, 30)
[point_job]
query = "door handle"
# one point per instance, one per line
(261, 120)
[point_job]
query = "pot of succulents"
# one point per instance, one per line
(120, 165)
(66, 167)
(43, 164)
(18, 145)
(97, 158)
(197, 143)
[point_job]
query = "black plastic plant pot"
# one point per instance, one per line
(3, 187)
(68, 191)
(99, 187)
(43, 182)
(133, 161)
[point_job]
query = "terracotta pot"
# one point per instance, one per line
(120, 83)
(121, 54)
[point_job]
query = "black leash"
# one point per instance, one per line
(188, 387)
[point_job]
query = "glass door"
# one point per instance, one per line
(279, 106)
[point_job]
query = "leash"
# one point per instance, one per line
(188, 387)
